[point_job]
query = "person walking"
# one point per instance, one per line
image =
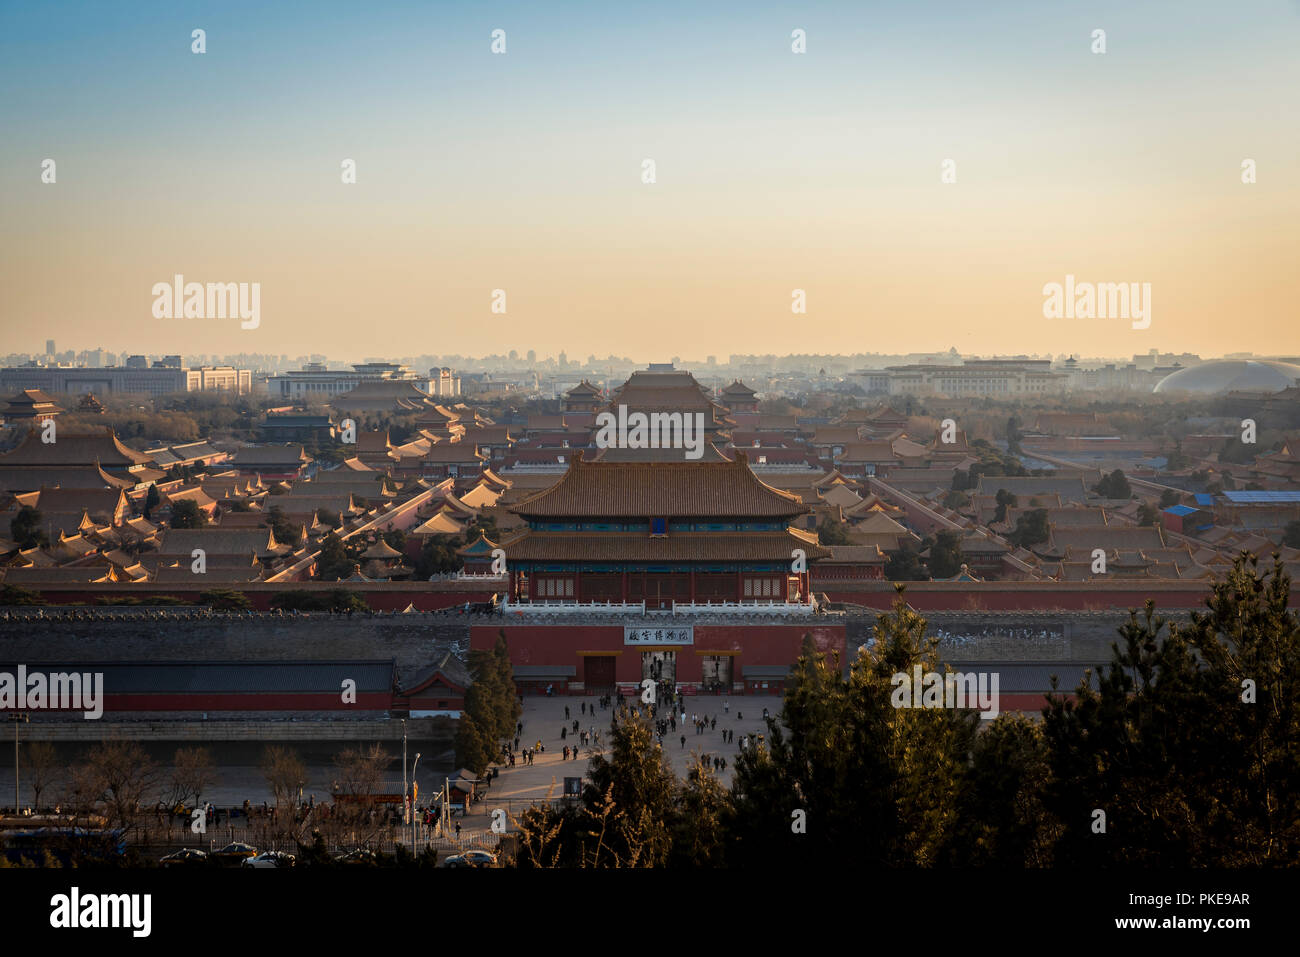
(683, 741)
(564, 733)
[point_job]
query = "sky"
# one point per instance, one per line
(774, 171)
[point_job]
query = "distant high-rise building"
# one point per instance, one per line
(133, 378)
(49, 347)
(443, 382)
(532, 357)
(315, 380)
(137, 362)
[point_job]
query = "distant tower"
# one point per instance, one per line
(49, 347)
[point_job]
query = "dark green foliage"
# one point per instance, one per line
(225, 598)
(630, 800)
(334, 563)
(1013, 436)
(187, 514)
(1114, 485)
(1188, 774)
(946, 557)
(1005, 500)
(491, 705)
(1238, 452)
(25, 528)
(438, 555)
(1002, 821)
(905, 565)
(1031, 528)
(633, 813)
(832, 533)
(151, 500)
(281, 527)
(1176, 460)
(956, 500)
(904, 767)
(15, 595)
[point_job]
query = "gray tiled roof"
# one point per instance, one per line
(227, 676)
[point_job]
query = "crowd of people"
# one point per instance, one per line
(669, 713)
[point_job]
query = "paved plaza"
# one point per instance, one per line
(543, 718)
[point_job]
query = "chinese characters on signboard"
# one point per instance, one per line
(681, 635)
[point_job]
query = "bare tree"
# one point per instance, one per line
(121, 774)
(192, 774)
(361, 770)
(361, 774)
(286, 775)
(42, 767)
(77, 796)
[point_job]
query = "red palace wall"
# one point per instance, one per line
(381, 596)
(182, 702)
(749, 645)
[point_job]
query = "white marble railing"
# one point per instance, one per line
(573, 608)
(467, 576)
(743, 608)
(785, 608)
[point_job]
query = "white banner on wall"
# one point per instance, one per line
(679, 635)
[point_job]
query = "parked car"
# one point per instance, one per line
(472, 859)
(270, 859)
(362, 856)
(234, 853)
(185, 857)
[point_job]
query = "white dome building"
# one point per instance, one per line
(1232, 375)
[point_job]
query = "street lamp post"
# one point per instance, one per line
(17, 717)
(414, 789)
(406, 804)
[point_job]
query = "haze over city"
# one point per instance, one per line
(523, 172)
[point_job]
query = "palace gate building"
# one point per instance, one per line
(687, 571)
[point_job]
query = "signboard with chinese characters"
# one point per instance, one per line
(677, 635)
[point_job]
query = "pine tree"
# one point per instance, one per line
(903, 767)
(510, 708)
(474, 748)
(1187, 772)
(630, 800)
(1002, 820)
(702, 820)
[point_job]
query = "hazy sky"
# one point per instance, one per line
(775, 171)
